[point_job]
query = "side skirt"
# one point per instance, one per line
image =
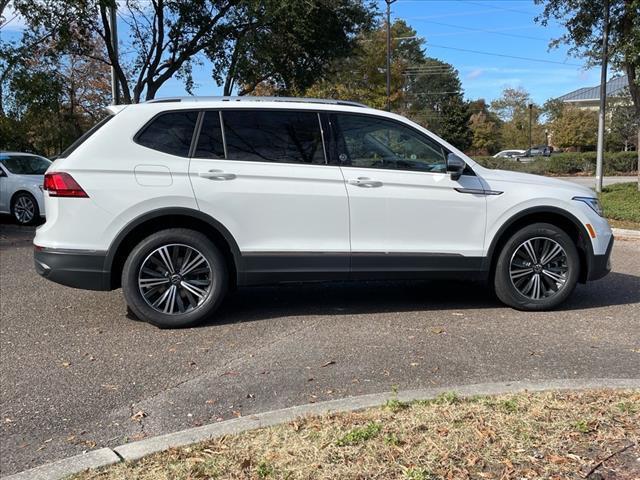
(293, 267)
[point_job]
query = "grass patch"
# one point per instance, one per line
(359, 435)
(621, 203)
(526, 436)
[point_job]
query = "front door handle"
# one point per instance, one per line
(365, 182)
(216, 175)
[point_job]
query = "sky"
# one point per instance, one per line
(479, 38)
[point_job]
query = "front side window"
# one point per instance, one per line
(273, 136)
(170, 133)
(25, 164)
(370, 142)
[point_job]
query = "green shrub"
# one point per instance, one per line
(570, 163)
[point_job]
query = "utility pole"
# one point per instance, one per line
(530, 123)
(603, 98)
(113, 25)
(389, 2)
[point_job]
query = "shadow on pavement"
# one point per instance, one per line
(259, 303)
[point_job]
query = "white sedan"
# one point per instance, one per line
(509, 154)
(21, 178)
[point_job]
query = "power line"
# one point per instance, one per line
(529, 59)
(499, 8)
(481, 30)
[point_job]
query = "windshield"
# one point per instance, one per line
(25, 164)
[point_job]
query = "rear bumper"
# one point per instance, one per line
(600, 265)
(73, 268)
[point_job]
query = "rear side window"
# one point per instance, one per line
(210, 144)
(170, 133)
(273, 136)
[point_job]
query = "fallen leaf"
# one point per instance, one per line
(66, 364)
(137, 417)
(437, 331)
(330, 362)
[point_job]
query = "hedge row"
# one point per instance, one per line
(572, 163)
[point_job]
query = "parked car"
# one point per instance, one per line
(534, 152)
(509, 154)
(21, 180)
(179, 201)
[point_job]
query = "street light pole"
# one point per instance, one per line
(113, 24)
(603, 98)
(389, 2)
(530, 123)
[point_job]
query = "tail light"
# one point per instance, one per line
(61, 184)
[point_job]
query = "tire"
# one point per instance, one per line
(557, 276)
(177, 259)
(24, 209)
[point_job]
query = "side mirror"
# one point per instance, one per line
(455, 166)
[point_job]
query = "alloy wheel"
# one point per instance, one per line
(24, 209)
(539, 268)
(175, 279)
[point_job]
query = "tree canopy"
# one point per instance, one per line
(286, 42)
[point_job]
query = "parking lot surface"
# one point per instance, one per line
(77, 374)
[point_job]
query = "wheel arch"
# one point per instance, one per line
(161, 219)
(554, 216)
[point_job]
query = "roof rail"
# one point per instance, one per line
(250, 98)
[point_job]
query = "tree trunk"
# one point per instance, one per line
(638, 152)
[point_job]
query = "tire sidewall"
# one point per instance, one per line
(138, 304)
(504, 287)
(36, 209)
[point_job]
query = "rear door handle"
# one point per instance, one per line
(365, 182)
(216, 175)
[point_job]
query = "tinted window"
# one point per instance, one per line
(370, 142)
(85, 137)
(273, 136)
(25, 164)
(210, 139)
(170, 133)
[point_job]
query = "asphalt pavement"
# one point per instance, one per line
(76, 374)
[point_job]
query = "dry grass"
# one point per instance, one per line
(525, 436)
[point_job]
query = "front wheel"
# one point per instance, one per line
(537, 269)
(174, 278)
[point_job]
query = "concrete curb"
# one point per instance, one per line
(136, 450)
(624, 233)
(69, 466)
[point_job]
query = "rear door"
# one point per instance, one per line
(406, 213)
(264, 175)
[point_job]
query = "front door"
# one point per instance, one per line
(405, 211)
(263, 174)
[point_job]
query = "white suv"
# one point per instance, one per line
(178, 200)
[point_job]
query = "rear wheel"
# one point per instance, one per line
(537, 269)
(24, 208)
(174, 278)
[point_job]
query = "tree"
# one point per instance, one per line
(584, 24)
(247, 41)
(513, 110)
(51, 100)
(424, 89)
(623, 127)
(361, 75)
(575, 128)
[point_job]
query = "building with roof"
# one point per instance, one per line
(589, 97)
